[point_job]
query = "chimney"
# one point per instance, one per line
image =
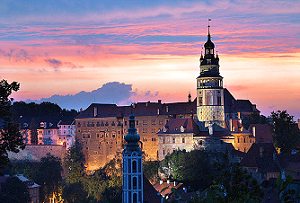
(189, 98)
(159, 101)
(95, 111)
(174, 183)
(161, 182)
(167, 109)
(254, 131)
(157, 111)
(168, 182)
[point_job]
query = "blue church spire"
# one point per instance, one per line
(132, 188)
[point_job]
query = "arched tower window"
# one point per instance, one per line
(134, 182)
(134, 198)
(134, 166)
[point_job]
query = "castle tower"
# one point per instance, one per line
(132, 167)
(210, 92)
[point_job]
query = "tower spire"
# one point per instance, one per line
(208, 28)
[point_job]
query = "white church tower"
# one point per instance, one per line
(210, 91)
(132, 167)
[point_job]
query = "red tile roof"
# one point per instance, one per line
(165, 188)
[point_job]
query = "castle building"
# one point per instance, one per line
(219, 115)
(101, 127)
(133, 187)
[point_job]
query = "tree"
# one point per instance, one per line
(193, 168)
(234, 185)
(286, 133)
(10, 137)
(150, 169)
(74, 192)
(49, 177)
(74, 163)
(14, 191)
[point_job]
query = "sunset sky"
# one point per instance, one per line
(65, 47)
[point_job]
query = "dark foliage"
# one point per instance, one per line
(193, 168)
(286, 133)
(73, 193)
(74, 164)
(150, 169)
(14, 191)
(10, 137)
(33, 113)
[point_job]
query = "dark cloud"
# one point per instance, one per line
(112, 92)
(16, 55)
(56, 64)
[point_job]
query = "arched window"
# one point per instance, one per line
(134, 198)
(134, 182)
(209, 98)
(134, 166)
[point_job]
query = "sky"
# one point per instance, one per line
(152, 48)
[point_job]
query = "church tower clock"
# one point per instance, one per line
(132, 167)
(210, 92)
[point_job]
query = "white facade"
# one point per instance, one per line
(60, 134)
(168, 143)
(47, 134)
(66, 134)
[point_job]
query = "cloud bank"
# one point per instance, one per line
(112, 92)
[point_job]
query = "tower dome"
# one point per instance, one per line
(132, 136)
(209, 44)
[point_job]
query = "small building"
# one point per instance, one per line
(167, 188)
(66, 133)
(177, 134)
(32, 187)
(47, 133)
(262, 162)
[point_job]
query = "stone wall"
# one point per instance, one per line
(36, 152)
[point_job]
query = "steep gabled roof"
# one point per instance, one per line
(244, 106)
